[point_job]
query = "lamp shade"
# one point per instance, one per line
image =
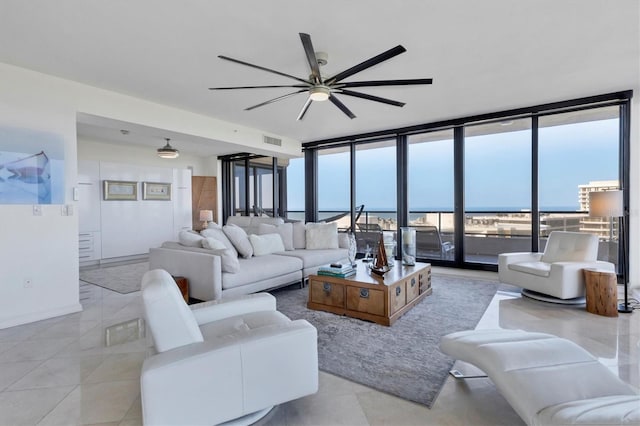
(606, 204)
(206, 215)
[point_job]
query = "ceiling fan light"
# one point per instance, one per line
(319, 93)
(168, 151)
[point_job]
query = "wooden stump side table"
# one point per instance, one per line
(602, 292)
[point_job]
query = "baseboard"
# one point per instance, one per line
(40, 315)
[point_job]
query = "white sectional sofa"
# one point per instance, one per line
(234, 268)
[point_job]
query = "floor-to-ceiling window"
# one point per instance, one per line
(375, 188)
(253, 186)
(334, 194)
(497, 189)
(295, 189)
(488, 184)
(579, 152)
(430, 193)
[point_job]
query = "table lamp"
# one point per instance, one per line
(610, 204)
(206, 216)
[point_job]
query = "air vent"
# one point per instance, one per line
(272, 141)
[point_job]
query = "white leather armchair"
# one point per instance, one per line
(558, 271)
(221, 360)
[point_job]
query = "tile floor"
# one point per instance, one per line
(61, 372)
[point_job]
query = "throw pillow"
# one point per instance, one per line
(285, 231)
(228, 258)
(239, 239)
(218, 234)
(213, 244)
(299, 235)
(266, 244)
(322, 236)
(190, 239)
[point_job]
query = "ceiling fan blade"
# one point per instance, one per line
(226, 58)
(371, 97)
(367, 64)
(373, 83)
(311, 57)
(270, 101)
(258, 87)
(304, 109)
(342, 107)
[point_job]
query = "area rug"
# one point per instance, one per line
(404, 359)
(122, 279)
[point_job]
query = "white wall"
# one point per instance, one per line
(101, 150)
(44, 249)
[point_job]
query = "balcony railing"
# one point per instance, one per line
(486, 235)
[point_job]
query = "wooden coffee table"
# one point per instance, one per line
(371, 297)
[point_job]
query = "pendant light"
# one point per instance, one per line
(168, 151)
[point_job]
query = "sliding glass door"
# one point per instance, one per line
(430, 193)
(579, 154)
(497, 189)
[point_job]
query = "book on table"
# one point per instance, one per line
(337, 275)
(336, 270)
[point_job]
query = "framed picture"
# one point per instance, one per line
(156, 191)
(120, 190)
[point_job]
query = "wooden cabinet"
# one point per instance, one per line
(368, 297)
(327, 293)
(365, 300)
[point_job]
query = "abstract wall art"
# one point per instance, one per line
(31, 167)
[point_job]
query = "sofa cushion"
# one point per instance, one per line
(322, 236)
(540, 269)
(266, 244)
(228, 258)
(219, 235)
(259, 268)
(285, 230)
(190, 239)
(212, 244)
(313, 258)
(299, 235)
(251, 223)
(239, 239)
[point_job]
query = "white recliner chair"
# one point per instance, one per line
(546, 379)
(558, 272)
(221, 360)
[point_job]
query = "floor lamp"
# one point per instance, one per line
(611, 204)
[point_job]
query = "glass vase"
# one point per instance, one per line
(408, 246)
(353, 248)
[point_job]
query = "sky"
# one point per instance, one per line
(497, 171)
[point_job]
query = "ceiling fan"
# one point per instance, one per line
(321, 88)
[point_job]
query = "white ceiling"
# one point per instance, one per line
(484, 56)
